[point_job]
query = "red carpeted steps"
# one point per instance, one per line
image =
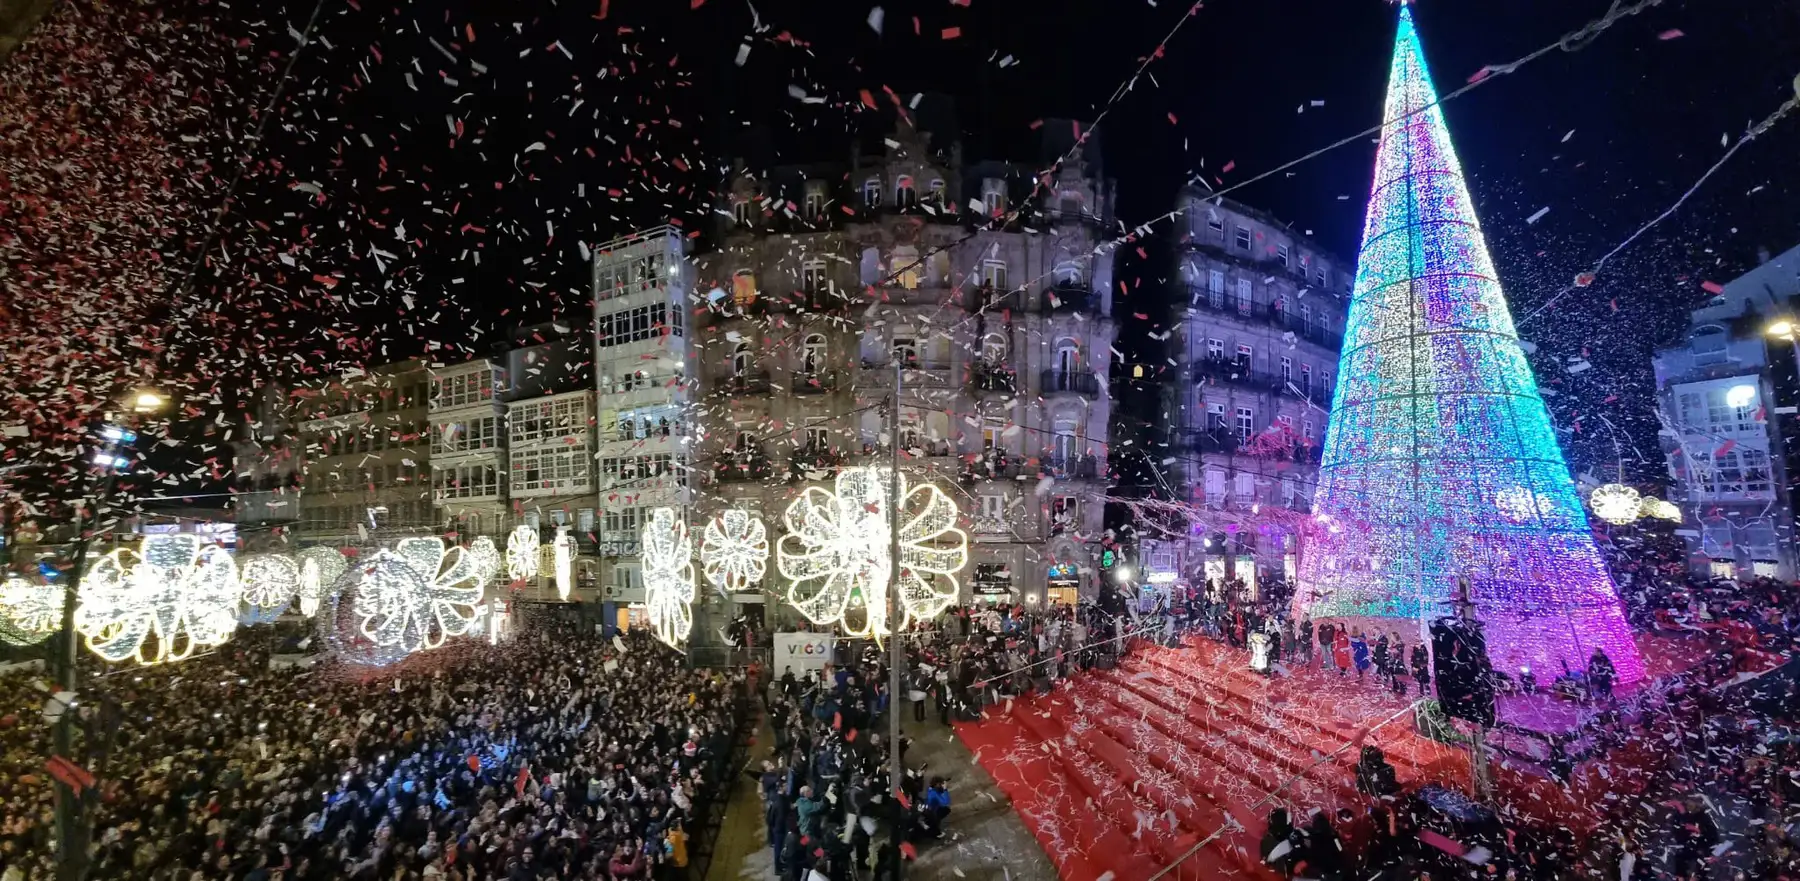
(1125, 771)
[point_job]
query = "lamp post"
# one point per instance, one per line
(71, 806)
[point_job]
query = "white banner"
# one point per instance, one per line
(802, 652)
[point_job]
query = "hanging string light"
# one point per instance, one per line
(668, 575)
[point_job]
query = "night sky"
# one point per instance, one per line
(436, 168)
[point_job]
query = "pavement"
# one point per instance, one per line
(984, 838)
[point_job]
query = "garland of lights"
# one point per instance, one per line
(412, 598)
(522, 553)
(836, 552)
(734, 551)
(318, 567)
(268, 583)
(563, 555)
(29, 612)
(1616, 503)
(174, 595)
(1440, 461)
(668, 575)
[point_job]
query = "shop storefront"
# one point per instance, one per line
(991, 583)
(1062, 584)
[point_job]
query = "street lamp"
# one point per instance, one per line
(71, 830)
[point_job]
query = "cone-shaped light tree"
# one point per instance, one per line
(1440, 463)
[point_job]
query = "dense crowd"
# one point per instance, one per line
(558, 755)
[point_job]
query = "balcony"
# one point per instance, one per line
(1226, 371)
(1072, 467)
(991, 465)
(814, 383)
(749, 382)
(1069, 297)
(988, 300)
(742, 466)
(915, 374)
(985, 377)
(813, 463)
(1081, 382)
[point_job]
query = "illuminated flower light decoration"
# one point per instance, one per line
(1435, 410)
(563, 561)
(1615, 503)
(29, 612)
(734, 551)
(486, 559)
(522, 553)
(668, 575)
(1660, 509)
(269, 583)
(319, 567)
(410, 599)
(174, 595)
(836, 552)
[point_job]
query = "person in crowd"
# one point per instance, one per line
(1600, 675)
(1327, 644)
(1277, 848)
(1421, 668)
(1343, 650)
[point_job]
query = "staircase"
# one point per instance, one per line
(1127, 770)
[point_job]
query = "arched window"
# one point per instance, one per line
(993, 196)
(741, 359)
(812, 276)
(743, 287)
(1068, 355)
(812, 354)
(1064, 445)
(993, 348)
(1068, 272)
(743, 210)
(904, 194)
(872, 193)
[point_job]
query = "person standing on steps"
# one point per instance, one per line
(1327, 643)
(1421, 665)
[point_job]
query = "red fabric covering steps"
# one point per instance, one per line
(1321, 709)
(1339, 707)
(1176, 781)
(1105, 809)
(1232, 719)
(1045, 800)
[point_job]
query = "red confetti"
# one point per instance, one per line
(1671, 34)
(1712, 287)
(952, 33)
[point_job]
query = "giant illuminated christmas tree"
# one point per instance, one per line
(1440, 462)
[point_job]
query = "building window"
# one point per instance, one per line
(743, 211)
(1306, 380)
(815, 201)
(993, 274)
(1246, 422)
(906, 265)
(1217, 227)
(1215, 417)
(1215, 288)
(993, 196)
(1306, 429)
(904, 194)
(742, 359)
(1243, 238)
(1279, 304)
(1244, 296)
(812, 354)
(1063, 514)
(993, 507)
(906, 346)
(1319, 278)
(1215, 350)
(1306, 317)
(1287, 371)
(1244, 353)
(1281, 255)
(637, 324)
(1246, 486)
(872, 193)
(812, 276)
(1215, 484)
(541, 421)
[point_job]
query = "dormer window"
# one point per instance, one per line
(815, 201)
(904, 194)
(872, 193)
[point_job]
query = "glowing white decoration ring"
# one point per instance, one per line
(268, 584)
(522, 553)
(1651, 506)
(668, 575)
(563, 560)
(486, 559)
(414, 597)
(836, 552)
(1615, 503)
(734, 551)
